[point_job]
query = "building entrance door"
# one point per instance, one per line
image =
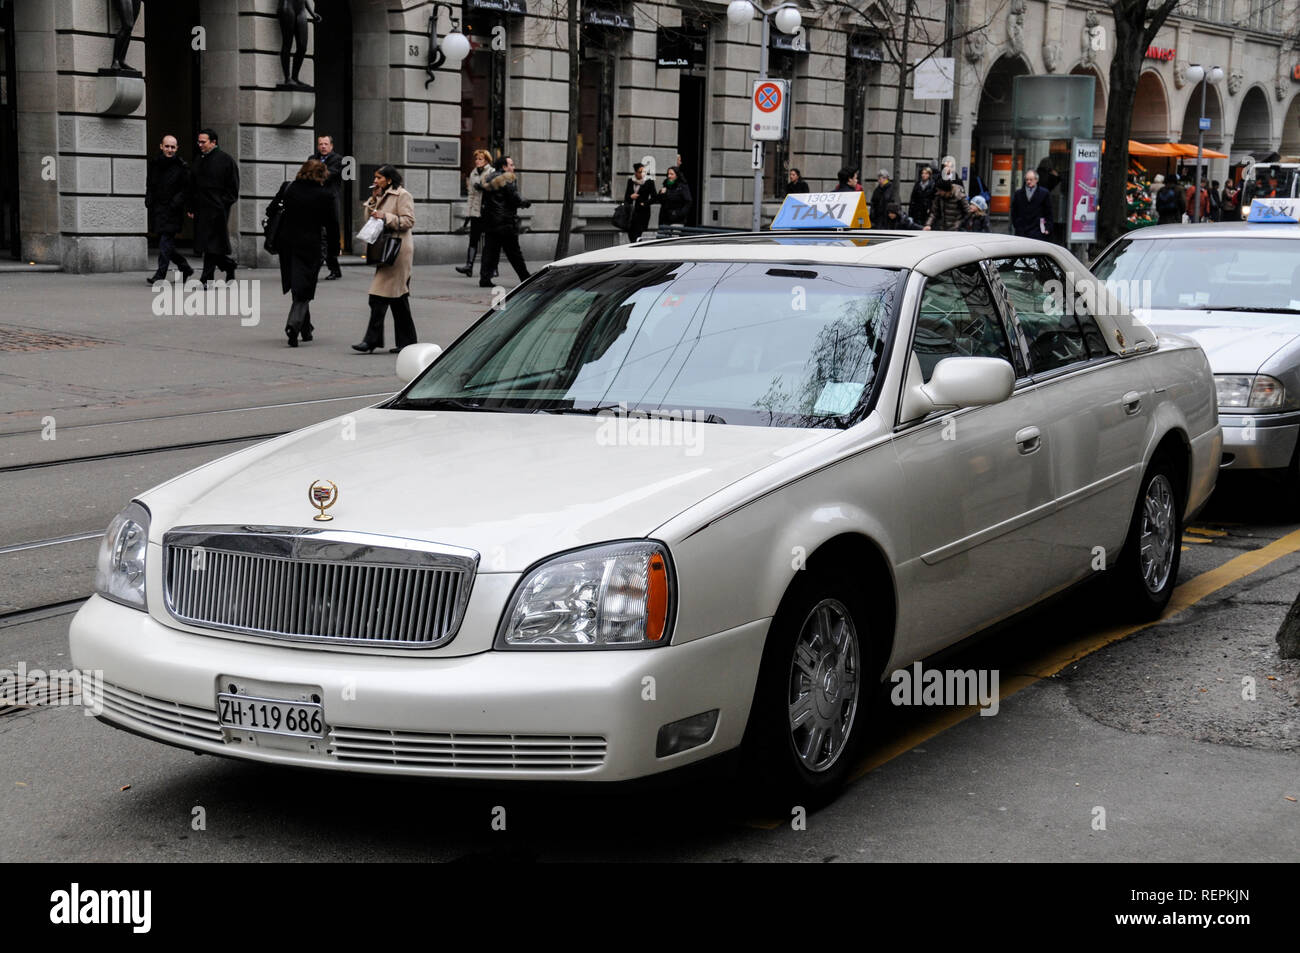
(172, 82)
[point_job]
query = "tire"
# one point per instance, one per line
(816, 657)
(1147, 571)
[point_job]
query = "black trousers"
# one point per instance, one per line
(167, 251)
(212, 261)
(330, 253)
(403, 324)
(499, 240)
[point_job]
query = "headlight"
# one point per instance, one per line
(119, 573)
(619, 595)
(1257, 391)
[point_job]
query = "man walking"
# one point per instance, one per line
(214, 188)
(166, 178)
(1031, 209)
(501, 204)
(334, 188)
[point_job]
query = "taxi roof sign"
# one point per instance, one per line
(1276, 211)
(823, 210)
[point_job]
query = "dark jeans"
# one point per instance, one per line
(499, 240)
(403, 324)
(167, 251)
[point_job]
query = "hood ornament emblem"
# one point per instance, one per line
(323, 494)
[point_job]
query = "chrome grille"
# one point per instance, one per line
(317, 585)
(174, 718)
(468, 751)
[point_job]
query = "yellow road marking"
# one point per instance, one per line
(1204, 531)
(1058, 657)
(1193, 539)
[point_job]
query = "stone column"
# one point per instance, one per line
(733, 64)
(38, 133)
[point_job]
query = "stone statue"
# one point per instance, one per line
(294, 16)
(127, 12)
(1090, 40)
(973, 46)
(1052, 56)
(1016, 26)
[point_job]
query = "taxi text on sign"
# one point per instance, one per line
(770, 103)
(1280, 211)
(824, 210)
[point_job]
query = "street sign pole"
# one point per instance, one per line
(758, 167)
(1200, 145)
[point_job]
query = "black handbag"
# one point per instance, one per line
(385, 251)
(622, 217)
(271, 221)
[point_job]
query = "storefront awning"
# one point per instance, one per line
(1170, 150)
(1189, 152)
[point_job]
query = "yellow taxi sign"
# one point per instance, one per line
(823, 210)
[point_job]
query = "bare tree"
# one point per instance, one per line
(1136, 25)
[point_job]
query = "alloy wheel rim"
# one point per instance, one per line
(1157, 537)
(823, 687)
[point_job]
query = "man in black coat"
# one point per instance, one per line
(309, 210)
(166, 179)
(1031, 209)
(501, 205)
(918, 206)
(334, 186)
(882, 197)
(214, 188)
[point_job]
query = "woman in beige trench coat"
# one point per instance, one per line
(392, 283)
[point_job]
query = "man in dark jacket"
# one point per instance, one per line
(918, 206)
(949, 210)
(1031, 209)
(501, 205)
(1169, 202)
(166, 178)
(882, 196)
(334, 188)
(896, 218)
(214, 188)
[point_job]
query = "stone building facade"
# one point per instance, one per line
(659, 79)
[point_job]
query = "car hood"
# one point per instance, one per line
(1236, 342)
(514, 487)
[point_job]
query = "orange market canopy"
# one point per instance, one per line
(1170, 150)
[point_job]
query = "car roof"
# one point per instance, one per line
(928, 252)
(1217, 230)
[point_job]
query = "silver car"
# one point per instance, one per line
(1235, 289)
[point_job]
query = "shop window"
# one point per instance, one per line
(482, 93)
(596, 110)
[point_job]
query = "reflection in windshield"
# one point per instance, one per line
(1248, 274)
(749, 343)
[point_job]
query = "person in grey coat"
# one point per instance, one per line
(474, 207)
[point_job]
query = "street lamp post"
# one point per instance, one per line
(1204, 76)
(788, 20)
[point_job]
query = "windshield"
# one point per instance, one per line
(1271, 181)
(721, 342)
(1241, 274)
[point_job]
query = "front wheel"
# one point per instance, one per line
(807, 719)
(1148, 567)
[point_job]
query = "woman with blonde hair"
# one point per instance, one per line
(308, 207)
(474, 207)
(391, 286)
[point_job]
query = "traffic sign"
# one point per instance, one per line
(756, 160)
(1205, 123)
(771, 104)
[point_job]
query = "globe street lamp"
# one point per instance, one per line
(788, 20)
(452, 49)
(1203, 75)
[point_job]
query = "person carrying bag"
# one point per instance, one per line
(393, 253)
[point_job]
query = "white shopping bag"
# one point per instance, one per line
(371, 231)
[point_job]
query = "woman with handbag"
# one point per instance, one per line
(638, 197)
(392, 255)
(306, 207)
(474, 207)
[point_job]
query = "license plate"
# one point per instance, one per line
(278, 716)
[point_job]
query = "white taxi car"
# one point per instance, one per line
(671, 500)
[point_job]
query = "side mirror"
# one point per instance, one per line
(957, 382)
(414, 358)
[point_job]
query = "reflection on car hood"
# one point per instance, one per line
(514, 487)
(1236, 342)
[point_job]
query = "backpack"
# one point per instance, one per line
(1167, 199)
(271, 220)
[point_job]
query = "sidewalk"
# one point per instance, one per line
(94, 347)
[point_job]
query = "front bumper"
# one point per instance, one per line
(544, 715)
(1259, 441)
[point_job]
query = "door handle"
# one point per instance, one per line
(1028, 440)
(1132, 402)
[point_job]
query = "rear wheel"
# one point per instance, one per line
(810, 700)
(1148, 567)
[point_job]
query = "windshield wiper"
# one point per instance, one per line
(709, 418)
(437, 403)
(1242, 307)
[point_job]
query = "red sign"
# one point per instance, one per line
(1295, 71)
(1164, 54)
(768, 97)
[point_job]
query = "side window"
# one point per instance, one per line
(1044, 303)
(958, 318)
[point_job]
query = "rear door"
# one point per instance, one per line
(979, 480)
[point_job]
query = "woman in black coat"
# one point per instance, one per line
(675, 198)
(308, 207)
(638, 197)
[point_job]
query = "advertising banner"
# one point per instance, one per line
(1084, 174)
(1000, 188)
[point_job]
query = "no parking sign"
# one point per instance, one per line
(771, 103)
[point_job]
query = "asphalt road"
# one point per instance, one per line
(1144, 729)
